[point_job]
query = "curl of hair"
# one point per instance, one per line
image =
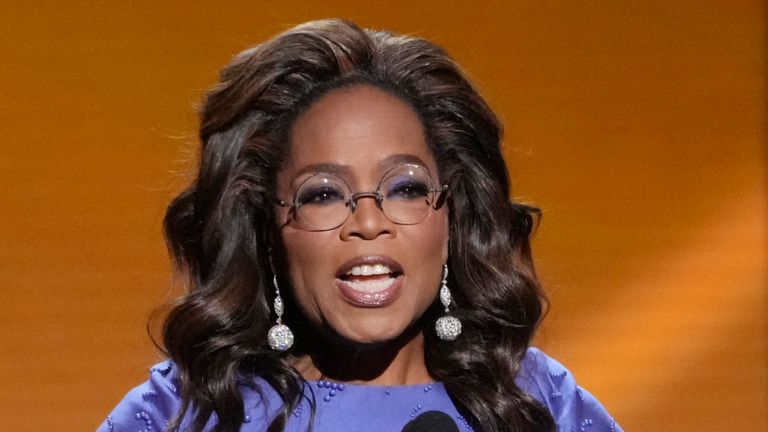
(220, 229)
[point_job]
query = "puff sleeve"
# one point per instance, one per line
(573, 408)
(148, 407)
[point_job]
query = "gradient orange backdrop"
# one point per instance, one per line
(638, 127)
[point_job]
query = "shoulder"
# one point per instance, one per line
(555, 387)
(151, 405)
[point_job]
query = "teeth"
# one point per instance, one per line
(369, 270)
(371, 286)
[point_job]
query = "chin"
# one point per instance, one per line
(373, 334)
(372, 339)
(376, 336)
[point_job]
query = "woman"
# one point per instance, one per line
(353, 260)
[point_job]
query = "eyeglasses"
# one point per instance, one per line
(405, 194)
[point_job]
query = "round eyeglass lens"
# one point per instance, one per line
(321, 202)
(407, 194)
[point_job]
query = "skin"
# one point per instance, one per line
(366, 130)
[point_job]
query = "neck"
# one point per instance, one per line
(397, 362)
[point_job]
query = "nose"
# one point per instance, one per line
(367, 220)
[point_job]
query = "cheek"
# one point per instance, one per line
(428, 242)
(436, 234)
(303, 251)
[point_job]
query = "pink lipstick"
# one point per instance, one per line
(370, 281)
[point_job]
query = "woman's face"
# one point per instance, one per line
(369, 279)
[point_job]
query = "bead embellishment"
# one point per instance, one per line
(415, 411)
(143, 416)
(559, 374)
(464, 421)
(328, 392)
(297, 411)
(332, 387)
(148, 394)
(172, 388)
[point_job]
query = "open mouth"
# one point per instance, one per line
(370, 281)
(370, 278)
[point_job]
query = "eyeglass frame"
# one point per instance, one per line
(351, 200)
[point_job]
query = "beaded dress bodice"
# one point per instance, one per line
(368, 408)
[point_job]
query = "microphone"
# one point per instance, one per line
(432, 421)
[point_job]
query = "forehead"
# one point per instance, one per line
(361, 127)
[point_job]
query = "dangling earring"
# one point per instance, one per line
(447, 327)
(280, 337)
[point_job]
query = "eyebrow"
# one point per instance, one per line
(347, 170)
(397, 159)
(330, 168)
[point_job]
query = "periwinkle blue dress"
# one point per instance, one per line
(368, 408)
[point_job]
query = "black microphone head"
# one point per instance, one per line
(432, 421)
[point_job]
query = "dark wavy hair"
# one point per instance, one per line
(221, 230)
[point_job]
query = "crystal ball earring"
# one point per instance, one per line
(447, 327)
(280, 337)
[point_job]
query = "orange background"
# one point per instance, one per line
(637, 126)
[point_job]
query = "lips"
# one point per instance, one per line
(370, 281)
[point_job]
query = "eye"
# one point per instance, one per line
(407, 189)
(321, 194)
